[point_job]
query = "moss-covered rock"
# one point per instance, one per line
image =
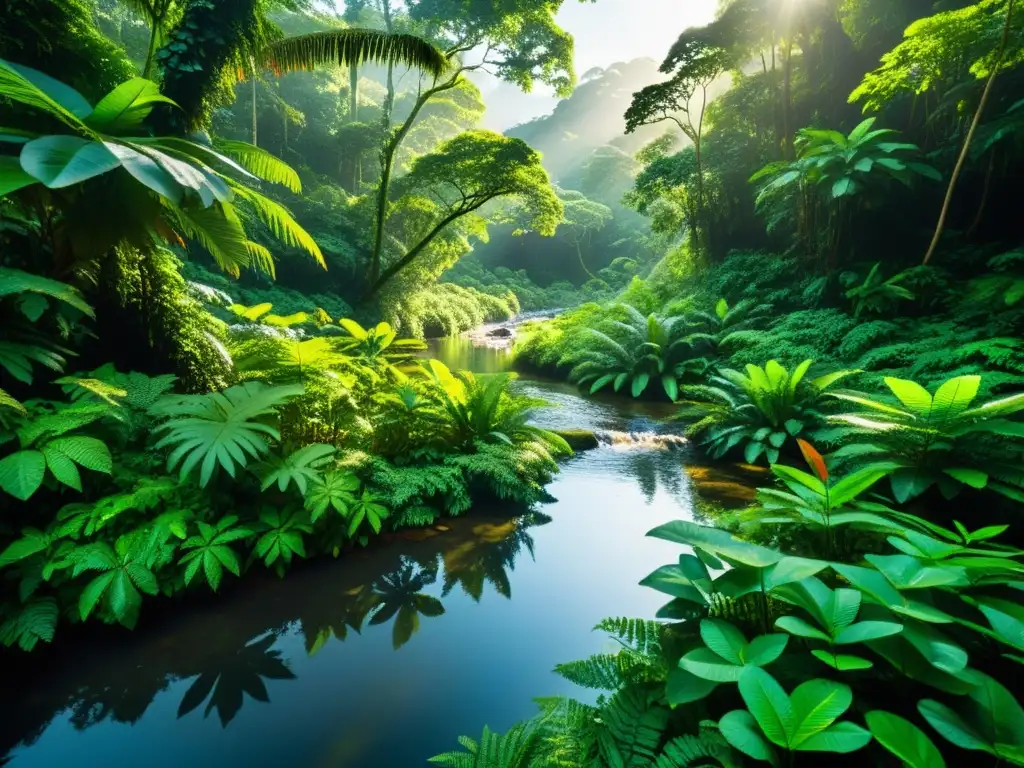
(578, 439)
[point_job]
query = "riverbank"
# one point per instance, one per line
(424, 638)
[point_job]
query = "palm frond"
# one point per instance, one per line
(219, 231)
(261, 163)
(280, 221)
(347, 47)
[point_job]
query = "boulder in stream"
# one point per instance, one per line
(501, 333)
(579, 439)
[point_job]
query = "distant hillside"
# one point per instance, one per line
(591, 118)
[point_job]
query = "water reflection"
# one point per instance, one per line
(228, 677)
(221, 669)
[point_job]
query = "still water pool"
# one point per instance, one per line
(384, 657)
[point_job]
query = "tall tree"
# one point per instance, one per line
(583, 217)
(683, 99)
(462, 176)
(516, 40)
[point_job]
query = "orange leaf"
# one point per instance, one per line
(814, 459)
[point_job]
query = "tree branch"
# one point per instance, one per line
(417, 249)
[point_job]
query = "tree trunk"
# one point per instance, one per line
(387, 163)
(579, 252)
(962, 160)
(192, 83)
(254, 136)
(787, 105)
(353, 93)
(986, 191)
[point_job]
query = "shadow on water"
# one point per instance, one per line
(383, 657)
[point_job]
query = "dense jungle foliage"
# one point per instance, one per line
(227, 226)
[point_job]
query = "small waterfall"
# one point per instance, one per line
(639, 440)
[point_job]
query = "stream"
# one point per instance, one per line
(383, 657)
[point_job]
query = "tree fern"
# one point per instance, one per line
(221, 428)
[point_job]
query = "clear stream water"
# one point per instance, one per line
(381, 658)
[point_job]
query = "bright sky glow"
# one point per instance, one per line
(606, 32)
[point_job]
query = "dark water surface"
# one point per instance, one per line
(459, 626)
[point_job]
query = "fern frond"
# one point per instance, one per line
(641, 635)
(600, 671)
(34, 622)
(633, 725)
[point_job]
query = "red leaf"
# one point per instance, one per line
(814, 459)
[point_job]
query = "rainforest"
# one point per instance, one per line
(511, 383)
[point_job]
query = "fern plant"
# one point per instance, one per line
(301, 467)
(48, 445)
(282, 538)
(517, 748)
(209, 550)
(118, 588)
(758, 411)
(633, 351)
(708, 331)
(379, 348)
(24, 300)
(941, 439)
(221, 428)
(877, 295)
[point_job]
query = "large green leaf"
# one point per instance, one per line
(717, 542)
(145, 170)
(684, 687)
(816, 704)
(61, 161)
(768, 703)
(724, 639)
(40, 91)
(854, 484)
(222, 428)
(954, 397)
(12, 176)
(125, 107)
(904, 739)
(22, 473)
(989, 720)
(740, 729)
(913, 396)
